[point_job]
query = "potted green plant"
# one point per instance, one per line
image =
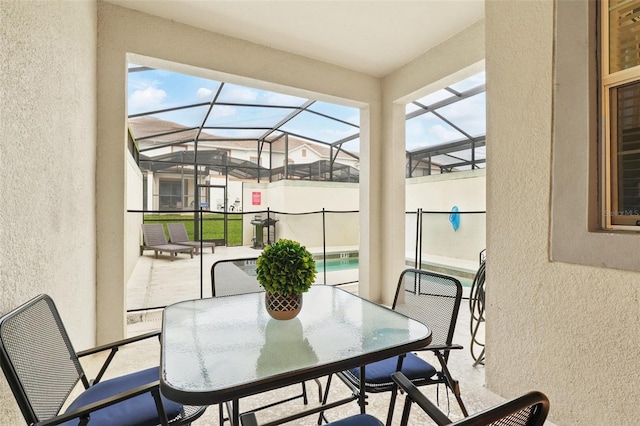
(285, 269)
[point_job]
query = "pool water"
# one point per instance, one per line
(338, 264)
(352, 263)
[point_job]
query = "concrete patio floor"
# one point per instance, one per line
(159, 282)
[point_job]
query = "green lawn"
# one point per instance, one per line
(213, 225)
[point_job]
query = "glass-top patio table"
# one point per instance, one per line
(222, 349)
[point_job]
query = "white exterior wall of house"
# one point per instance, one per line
(243, 153)
(234, 192)
(548, 317)
(48, 128)
(296, 157)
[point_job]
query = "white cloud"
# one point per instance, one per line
(204, 93)
(240, 94)
(272, 98)
(223, 111)
(147, 99)
(442, 134)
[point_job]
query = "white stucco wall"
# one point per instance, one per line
(47, 164)
(439, 193)
(567, 330)
(47, 153)
(342, 229)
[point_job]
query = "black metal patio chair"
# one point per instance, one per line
(43, 370)
(237, 276)
(434, 300)
(530, 409)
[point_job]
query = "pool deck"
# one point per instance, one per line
(153, 282)
(160, 282)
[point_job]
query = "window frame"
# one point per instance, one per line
(610, 82)
(576, 234)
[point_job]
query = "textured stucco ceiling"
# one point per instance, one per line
(375, 37)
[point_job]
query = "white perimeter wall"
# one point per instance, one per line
(342, 229)
(433, 193)
(439, 193)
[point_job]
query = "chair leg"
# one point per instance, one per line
(233, 407)
(160, 407)
(394, 392)
(452, 384)
(321, 417)
(221, 413)
(404, 421)
(319, 390)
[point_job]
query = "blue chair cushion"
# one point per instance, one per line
(379, 373)
(358, 420)
(139, 411)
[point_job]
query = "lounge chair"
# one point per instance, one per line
(154, 239)
(178, 235)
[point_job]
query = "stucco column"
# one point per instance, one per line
(370, 202)
(392, 175)
(382, 194)
(110, 188)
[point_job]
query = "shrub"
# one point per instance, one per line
(286, 267)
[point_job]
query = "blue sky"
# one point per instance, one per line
(155, 90)
(469, 115)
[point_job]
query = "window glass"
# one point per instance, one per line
(625, 147)
(624, 35)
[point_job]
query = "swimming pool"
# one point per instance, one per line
(348, 263)
(337, 264)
